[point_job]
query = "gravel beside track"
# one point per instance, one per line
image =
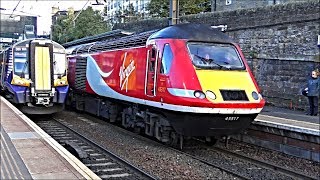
(105, 164)
(165, 163)
(157, 160)
(249, 169)
(310, 168)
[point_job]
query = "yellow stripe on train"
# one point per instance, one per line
(216, 80)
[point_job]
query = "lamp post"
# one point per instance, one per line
(174, 12)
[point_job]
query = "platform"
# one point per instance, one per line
(287, 131)
(289, 120)
(27, 152)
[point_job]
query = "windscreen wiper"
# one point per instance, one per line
(24, 67)
(211, 61)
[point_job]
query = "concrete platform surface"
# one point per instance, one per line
(288, 119)
(27, 152)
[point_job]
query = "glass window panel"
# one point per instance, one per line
(212, 55)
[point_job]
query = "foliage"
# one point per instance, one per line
(123, 15)
(160, 8)
(88, 23)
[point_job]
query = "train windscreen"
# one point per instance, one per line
(215, 56)
(20, 56)
(59, 61)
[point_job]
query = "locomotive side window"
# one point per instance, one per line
(215, 56)
(153, 53)
(152, 59)
(167, 57)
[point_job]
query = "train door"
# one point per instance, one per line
(151, 71)
(41, 60)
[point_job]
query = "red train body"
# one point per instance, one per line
(163, 84)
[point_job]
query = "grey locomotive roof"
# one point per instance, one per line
(192, 32)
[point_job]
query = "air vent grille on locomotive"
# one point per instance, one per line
(234, 95)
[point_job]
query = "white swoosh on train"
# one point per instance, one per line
(103, 74)
(100, 87)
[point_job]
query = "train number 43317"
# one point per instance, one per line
(231, 118)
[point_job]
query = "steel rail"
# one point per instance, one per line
(176, 150)
(112, 156)
(265, 164)
(123, 161)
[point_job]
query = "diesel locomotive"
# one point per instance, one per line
(33, 76)
(186, 80)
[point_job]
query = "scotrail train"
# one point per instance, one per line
(33, 76)
(187, 80)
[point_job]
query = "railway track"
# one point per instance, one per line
(275, 171)
(101, 161)
(265, 164)
(258, 164)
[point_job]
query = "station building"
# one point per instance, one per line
(16, 26)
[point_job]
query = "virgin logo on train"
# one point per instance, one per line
(126, 70)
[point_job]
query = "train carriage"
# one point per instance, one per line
(33, 76)
(183, 80)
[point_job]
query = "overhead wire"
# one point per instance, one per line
(15, 8)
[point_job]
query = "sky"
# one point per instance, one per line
(42, 9)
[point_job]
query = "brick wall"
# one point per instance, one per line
(279, 42)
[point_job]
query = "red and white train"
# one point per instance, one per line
(186, 80)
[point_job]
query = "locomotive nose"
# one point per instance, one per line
(222, 86)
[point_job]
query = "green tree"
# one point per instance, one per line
(123, 14)
(160, 8)
(88, 23)
(130, 14)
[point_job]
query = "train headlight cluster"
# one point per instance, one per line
(211, 95)
(61, 81)
(255, 95)
(16, 80)
(199, 94)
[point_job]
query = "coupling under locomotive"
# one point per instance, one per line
(33, 76)
(183, 80)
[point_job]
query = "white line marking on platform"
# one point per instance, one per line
(290, 127)
(289, 119)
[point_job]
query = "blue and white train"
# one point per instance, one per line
(33, 76)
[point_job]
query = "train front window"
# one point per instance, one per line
(214, 56)
(59, 63)
(21, 63)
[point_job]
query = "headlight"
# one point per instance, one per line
(61, 82)
(16, 80)
(199, 94)
(211, 95)
(255, 95)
